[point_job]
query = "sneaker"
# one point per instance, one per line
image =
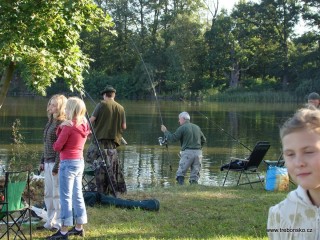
(41, 228)
(53, 229)
(57, 235)
(75, 232)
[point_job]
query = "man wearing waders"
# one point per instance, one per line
(109, 121)
(191, 140)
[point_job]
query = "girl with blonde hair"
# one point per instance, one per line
(50, 161)
(72, 135)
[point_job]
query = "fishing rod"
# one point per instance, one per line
(162, 140)
(227, 133)
(150, 80)
(100, 152)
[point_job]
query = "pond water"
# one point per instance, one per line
(231, 129)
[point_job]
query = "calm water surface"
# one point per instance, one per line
(231, 130)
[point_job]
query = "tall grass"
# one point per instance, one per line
(19, 151)
(266, 96)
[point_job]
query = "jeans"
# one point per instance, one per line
(71, 197)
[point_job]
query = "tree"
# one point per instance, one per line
(41, 40)
(233, 43)
(185, 55)
(217, 40)
(306, 59)
(277, 21)
(311, 12)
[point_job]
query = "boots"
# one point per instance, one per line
(180, 180)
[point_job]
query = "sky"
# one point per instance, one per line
(228, 4)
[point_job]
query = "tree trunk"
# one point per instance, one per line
(285, 82)
(5, 82)
(234, 78)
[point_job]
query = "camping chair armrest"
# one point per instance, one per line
(270, 162)
(274, 162)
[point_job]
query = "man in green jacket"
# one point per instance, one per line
(109, 122)
(191, 140)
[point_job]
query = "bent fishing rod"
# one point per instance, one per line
(218, 126)
(100, 152)
(150, 80)
(162, 140)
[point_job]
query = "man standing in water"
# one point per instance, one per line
(191, 140)
(109, 121)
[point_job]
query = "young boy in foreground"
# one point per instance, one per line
(298, 216)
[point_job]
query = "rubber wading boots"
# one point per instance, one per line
(180, 180)
(193, 182)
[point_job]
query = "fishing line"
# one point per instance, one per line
(150, 80)
(224, 131)
(88, 95)
(161, 140)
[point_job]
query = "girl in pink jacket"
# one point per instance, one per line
(72, 135)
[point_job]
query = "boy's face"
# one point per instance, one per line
(301, 151)
(314, 102)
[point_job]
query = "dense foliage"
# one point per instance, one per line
(41, 40)
(182, 48)
(189, 48)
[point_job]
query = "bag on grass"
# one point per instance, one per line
(92, 198)
(147, 204)
(236, 164)
(277, 179)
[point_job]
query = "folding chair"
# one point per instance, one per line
(13, 210)
(88, 179)
(248, 165)
(279, 162)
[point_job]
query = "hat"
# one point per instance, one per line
(313, 96)
(108, 88)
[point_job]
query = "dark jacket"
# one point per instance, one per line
(189, 134)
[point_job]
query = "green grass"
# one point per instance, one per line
(186, 212)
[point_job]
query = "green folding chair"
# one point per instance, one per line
(88, 179)
(14, 211)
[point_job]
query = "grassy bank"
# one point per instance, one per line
(186, 212)
(259, 96)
